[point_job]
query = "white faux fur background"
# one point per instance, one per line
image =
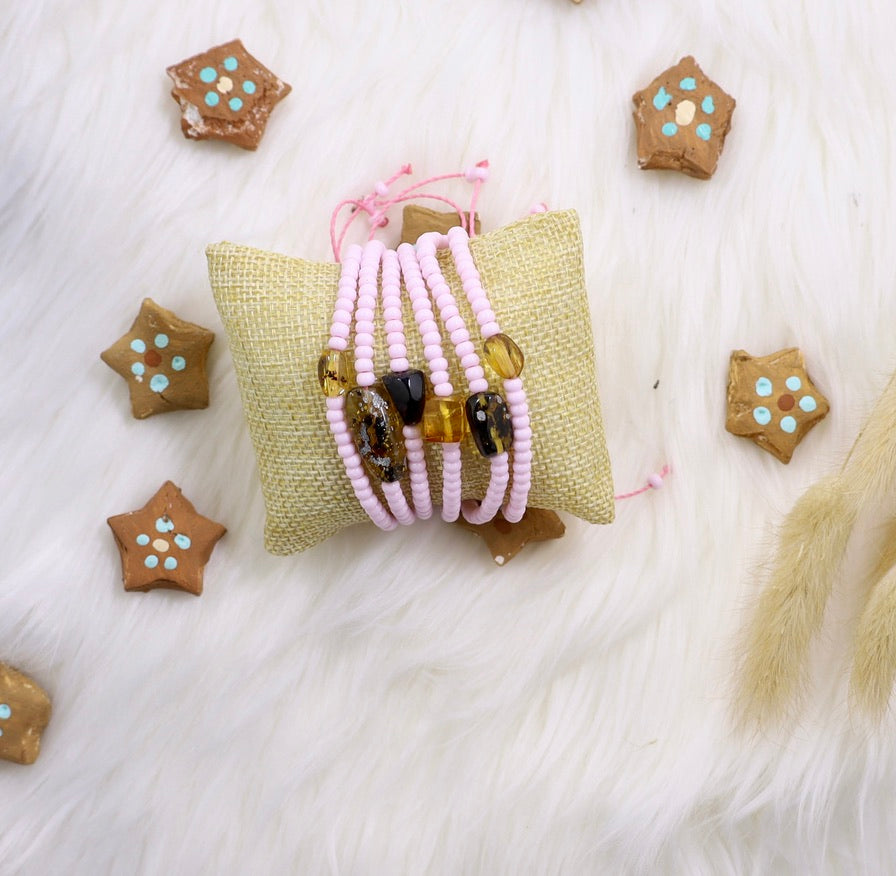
(398, 704)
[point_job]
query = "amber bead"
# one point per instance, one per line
(490, 423)
(335, 372)
(444, 420)
(408, 392)
(376, 430)
(504, 356)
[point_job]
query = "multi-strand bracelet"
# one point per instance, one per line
(380, 425)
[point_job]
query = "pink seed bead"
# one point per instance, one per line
(432, 339)
(442, 388)
(459, 336)
(366, 379)
(475, 372)
(394, 325)
(521, 434)
(454, 323)
(397, 350)
(431, 351)
(363, 351)
(450, 312)
(439, 364)
(464, 348)
(343, 317)
(490, 328)
(340, 344)
(363, 363)
(340, 330)
(469, 360)
(400, 364)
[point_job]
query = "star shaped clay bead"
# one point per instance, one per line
(505, 540)
(165, 544)
(772, 400)
(162, 358)
(24, 713)
(681, 121)
(226, 94)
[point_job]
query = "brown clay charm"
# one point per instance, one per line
(165, 544)
(226, 94)
(772, 401)
(162, 358)
(681, 120)
(505, 540)
(24, 713)
(417, 220)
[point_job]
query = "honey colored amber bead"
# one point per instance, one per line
(490, 423)
(335, 372)
(376, 430)
(504, 356)
(444, 421)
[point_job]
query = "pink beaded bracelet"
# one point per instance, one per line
(507, 360)
(406, 387)
(487, 415)
(438, 372)
(336, 376)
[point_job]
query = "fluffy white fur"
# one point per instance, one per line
(400, 705)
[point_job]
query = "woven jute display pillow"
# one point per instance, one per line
(277, 313)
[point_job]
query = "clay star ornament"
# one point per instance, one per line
(165, 544)
(24, 713)
(682, 119)
(163, 359)
(505, 540)
(226, 94)
(773, 401)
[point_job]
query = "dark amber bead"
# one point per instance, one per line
(490, 423)
(335, 372)
(408, 392)
(443, 420)
(376, 429)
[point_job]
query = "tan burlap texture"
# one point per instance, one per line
(277, 312)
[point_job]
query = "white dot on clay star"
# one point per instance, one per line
(225, 85)
(685, 112)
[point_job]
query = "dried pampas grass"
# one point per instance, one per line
(810, 550)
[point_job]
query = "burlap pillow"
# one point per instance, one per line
(277, 313)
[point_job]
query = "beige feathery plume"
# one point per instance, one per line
(874, 668)
(810, 550)
(812, 543)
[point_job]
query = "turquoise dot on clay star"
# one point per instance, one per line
(182, 541)
(170, 563)
(708, 106)
(138, 346)
(5, 711)
(688, 84)
(161, 341)
(208, 74)
(670, 129)
(164, 524)
(793, 383)
(159, 383)
(235, 104)
(143, 539)
(230, 64)
(138, 368)
(662, 99)
(211, 98)
(808, 404)
(704, 132)
(178, 363)
(762, 415)
(763, 387)
(249, 86)
(788, 424)
(151, 561)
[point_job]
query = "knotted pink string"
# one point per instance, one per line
(654, 482)
(376, 204)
